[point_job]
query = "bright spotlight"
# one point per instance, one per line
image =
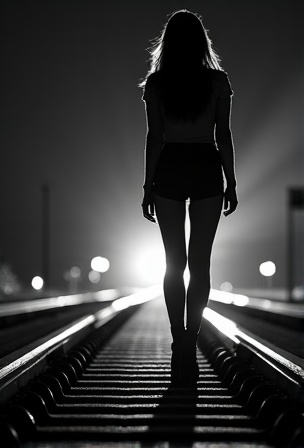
(37, 283)
(267, 268)
(100, 264)
(150, 266)
(94, 276)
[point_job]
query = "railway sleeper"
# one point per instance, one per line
(92, 393)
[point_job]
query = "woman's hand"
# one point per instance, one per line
(230, 200)
(148, 205)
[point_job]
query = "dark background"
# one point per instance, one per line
(72, 117)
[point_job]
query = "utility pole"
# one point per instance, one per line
(45, 255)
(295, 241)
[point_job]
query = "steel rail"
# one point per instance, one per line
(36, 356)
(282, 368)
(279, 308)
(116, 390)
(44, 304)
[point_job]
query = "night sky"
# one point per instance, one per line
(72, 117)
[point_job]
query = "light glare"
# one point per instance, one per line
(225, 325)
(229, 298)
(135, 299)
(150, 266)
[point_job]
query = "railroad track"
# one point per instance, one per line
(113, 387)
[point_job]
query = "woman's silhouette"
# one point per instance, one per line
(188, 146)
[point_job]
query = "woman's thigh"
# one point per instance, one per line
(171, 219)
(204, 215)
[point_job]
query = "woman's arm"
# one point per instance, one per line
(153, 147)
(154, 141)
(225, 146)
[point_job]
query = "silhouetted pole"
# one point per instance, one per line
(45, 256)
(295, 202)
(289, 249)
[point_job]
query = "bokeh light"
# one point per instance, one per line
(226, 286)
(37, 283)
(94, 276)
(75, 272)
(298, 293)
(100, 264)
(268, 268)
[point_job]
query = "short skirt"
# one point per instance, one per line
(188, 171)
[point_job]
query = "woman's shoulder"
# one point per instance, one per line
(219, 75)
(221, 83)
(150, 89)
(153, 79)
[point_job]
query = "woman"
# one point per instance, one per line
(188, 147)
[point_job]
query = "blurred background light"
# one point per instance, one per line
(37, 283)
(150, 265)
(75, 272)
(268, 268)
(100, 264)
(298, 293)
(226, 286)
(94, 276)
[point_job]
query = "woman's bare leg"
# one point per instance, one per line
(204, 216)
(171, 219)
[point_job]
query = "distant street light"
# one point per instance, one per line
(45, 222)
(94, 276)
(268, 269)
(73, 277)
(100, 264)
(75, 272)
(226, 287)
(37, 283)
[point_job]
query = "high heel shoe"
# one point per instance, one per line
(176, 348)
(175, 365)
(189, 371)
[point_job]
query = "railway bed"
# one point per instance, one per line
(109, 386)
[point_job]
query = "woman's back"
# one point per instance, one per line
(199, 129)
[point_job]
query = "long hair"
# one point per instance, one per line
(181, 62)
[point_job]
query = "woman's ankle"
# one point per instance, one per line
(177, 332)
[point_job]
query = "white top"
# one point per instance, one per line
(202, 129)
